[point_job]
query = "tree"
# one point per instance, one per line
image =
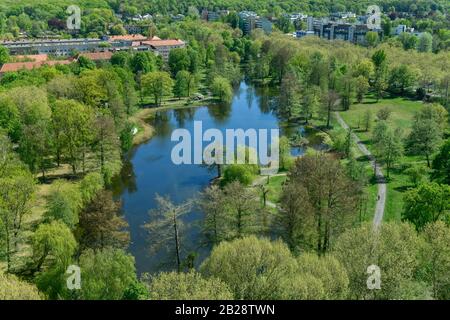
(427, 203)
(185, 84)
(11, 288)
(142, 62)
(393, 248)
(367, 120)
(388, 145)
(362, 85)
(100, 225)
(379, 61)
(53, 243)
(120, 59)
(74, 121)
(329, 271)
(252, 268)
(4, 55)
(290, 219)
(106, 274)
(64, 203)
(105, 140)
(401, 78)
(329, 102)
(384, 113)
(244, 173)
(409, 41)
(331, 194)
(347, 91)
(16, 198)
(310, 104)
(417, 174)
(435, 258)
(371, 38)
(424, 139)
(179, 60)
(90, 185)
(242, 205)
(166, 227)
(187, 286)
(441, 164)
(221, 88)
(157, 84)
(212, 203)
(286, 159)
(425, 43)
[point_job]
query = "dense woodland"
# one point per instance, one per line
(65, 130)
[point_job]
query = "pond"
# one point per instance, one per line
(148, 169)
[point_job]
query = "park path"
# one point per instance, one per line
(381, 181)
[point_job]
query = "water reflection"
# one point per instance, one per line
(149, 169)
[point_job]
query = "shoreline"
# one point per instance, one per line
(141, 116)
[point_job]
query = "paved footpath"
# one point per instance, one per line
(381, 181)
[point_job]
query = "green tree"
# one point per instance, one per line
(441, 164)
(64, 203)
(330, 198)
(221, 88)
(16, 199)
(179, 60)
(425, 138)
(11, 288)
(435, 257)
(74, 121)
(425, 43)
(371, 38)
(53, 244)
(187, 286)
(212, 203)
(393, 248)
(157, 84)
(185, 84)
(427, 203)
(389, 147)
(4, 55)
(252, 268)
(242, 205)
(367, 120)
(402, 77)
(362, 86)
(106, 274)
(329, 271)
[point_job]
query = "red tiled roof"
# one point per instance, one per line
(128, 37)
(162, 43)
(16, 66)
(97, 55)
(31, 57)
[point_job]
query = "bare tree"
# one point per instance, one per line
(166, 228)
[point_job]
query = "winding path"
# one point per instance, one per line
(381, 181)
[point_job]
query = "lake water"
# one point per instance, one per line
(149, 170)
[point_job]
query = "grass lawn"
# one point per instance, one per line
(403, 111)
(275, 187)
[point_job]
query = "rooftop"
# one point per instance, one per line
(16, 66)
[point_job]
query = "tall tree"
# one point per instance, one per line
(166, 227)
(425, 138)
(101, 225)
(75, 124)
(427, 203)
(157, 84)
(16, 195)
(435, 258)
(331, 194)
